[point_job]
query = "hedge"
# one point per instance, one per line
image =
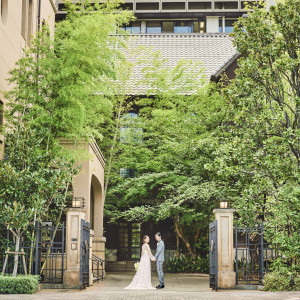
(20, 284)
(187, 264)
(277, 281)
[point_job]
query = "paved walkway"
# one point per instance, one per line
(178, 287)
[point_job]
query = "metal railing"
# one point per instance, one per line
(44, 248)
(253, 255)
(78, 202)
(97, 264)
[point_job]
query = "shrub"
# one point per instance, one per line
(276, 281)
(19, 285)
(283, 276)
(187, 264)
(297, 283)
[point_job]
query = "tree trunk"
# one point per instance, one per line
(196, 238)
(54, 232)
(112, 149)
(17, 248)
(177, 245)
(183, 238)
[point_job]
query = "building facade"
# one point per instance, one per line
(180, 16)
(19, 20)
(196, 30)
(179, 29)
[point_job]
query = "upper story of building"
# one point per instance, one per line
(181, 16)
(19, 21)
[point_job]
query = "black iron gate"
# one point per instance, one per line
(44, 247)
(253, 255)
(84, 254)
(213, 256)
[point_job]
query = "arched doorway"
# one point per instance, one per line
(96, 206)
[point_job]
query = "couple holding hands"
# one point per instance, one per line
(142, 278)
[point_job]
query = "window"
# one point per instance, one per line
(251, 4)
(168, 27)
(30, 18)
(4, 11)
(130, 132)
(226, 25)
(133, 27)
(92, 208)
(199, 5)
(183, 27)
(127, 173)
(199, 26)
(123, 241)
(126, 6)
(61, 6)
(173, 5)
(226, 5)
(129, 241)
(147, 6)
(24, 19)
(153, 27)
(27, 16)
(1, 113)
(135, 240)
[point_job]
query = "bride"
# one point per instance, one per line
(142, 278)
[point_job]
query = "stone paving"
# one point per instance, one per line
(178, 287)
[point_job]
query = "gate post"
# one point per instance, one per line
(73, 229)
(226, 274)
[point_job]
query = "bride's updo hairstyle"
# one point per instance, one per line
(144, 238)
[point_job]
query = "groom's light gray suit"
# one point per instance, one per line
(160, 258)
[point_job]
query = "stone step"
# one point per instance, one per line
(123, 266)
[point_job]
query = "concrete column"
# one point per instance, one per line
(212, 24)
(91, 252)
(72, 272)
(143, 27)
(99, 248)
(226, 275)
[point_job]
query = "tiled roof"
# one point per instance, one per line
(213, 50)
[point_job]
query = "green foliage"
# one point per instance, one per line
(258, 156)
(33, 179)
(283, 276)
(66, 88)
(57, 92)
(203, 146)
(179, 135)
(187, 264)
(297, 283)
(19, 285)
(276, 281)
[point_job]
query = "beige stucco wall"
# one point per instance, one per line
(92, 164)
(11, 39)
(91, 174)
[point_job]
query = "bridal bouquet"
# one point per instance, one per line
(136, 266)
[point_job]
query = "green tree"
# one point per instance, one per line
(259, 157)
(33, 181)
(179, 130)
(58, 91)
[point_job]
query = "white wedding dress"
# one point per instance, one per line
(142, 277)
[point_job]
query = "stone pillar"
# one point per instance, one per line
(212, 24)
(91, 281)
(143, 27)
(226, 275)
(73, 228)
(99, 248)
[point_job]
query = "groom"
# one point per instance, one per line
(160, 258)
